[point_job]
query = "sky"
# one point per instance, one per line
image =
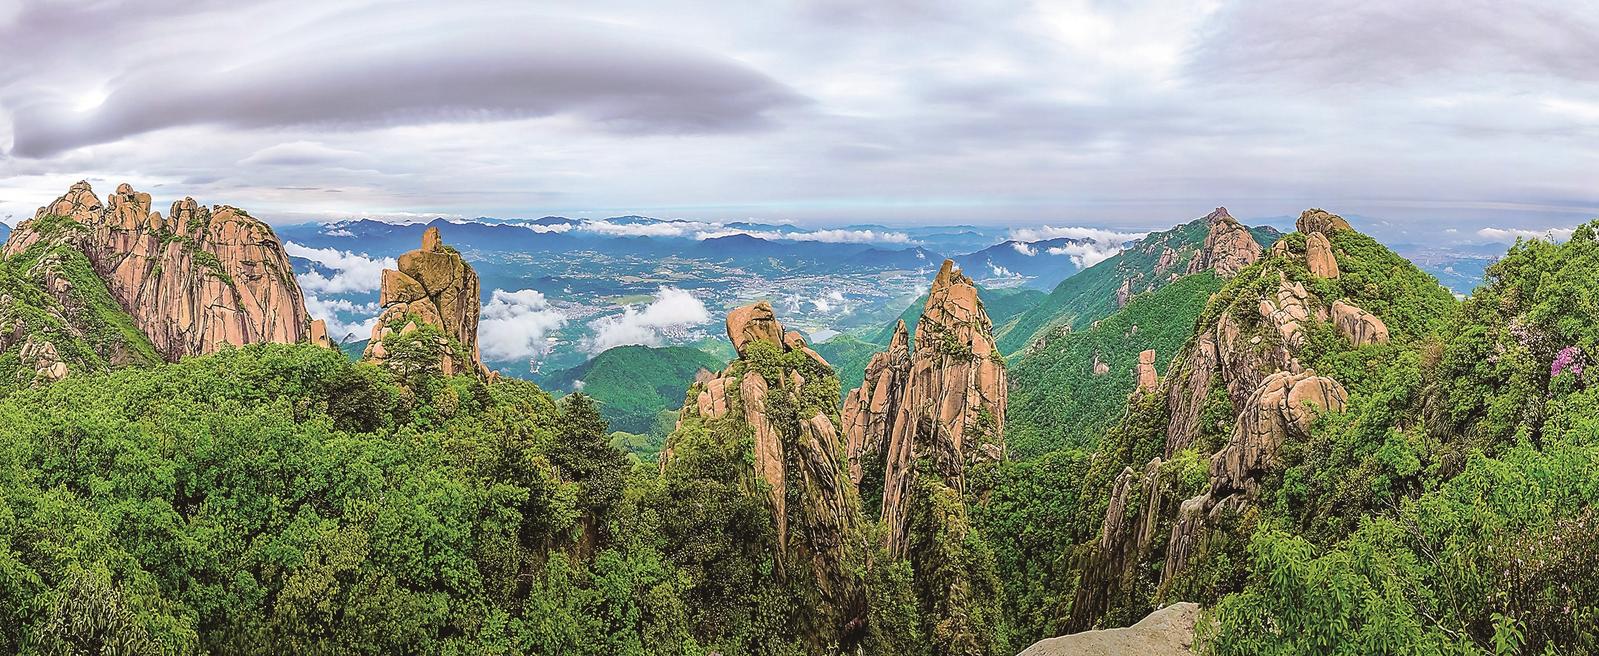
(1478, 115)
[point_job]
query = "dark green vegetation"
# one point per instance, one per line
(849, 354)
(1452, 508)
(1090, 294)
(80, 319)
(632, 384)
(1056, 399)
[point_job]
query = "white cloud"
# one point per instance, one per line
(546, 229)
(1086, 254)
(330, 311)
(703, 230)
(517, 325)
(1072, 232)
(672, 310)
(1511, 234)
(353, 272)
(1000, 271)
(1024, 249)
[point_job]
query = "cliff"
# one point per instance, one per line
(430, 312)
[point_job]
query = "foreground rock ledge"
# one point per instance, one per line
(1165, 632)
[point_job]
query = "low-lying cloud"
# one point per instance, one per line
(1043, 233)
(1512, 234)
(673, 311)
(353, 272)
(517, 325)
(333, 313)
(1086, 254)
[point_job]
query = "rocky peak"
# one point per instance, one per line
(1320, 220)
(434, 286)
(795, 447)
(869, 412)
(1144, 373)
(1228, 247)
(194, 282)
(952, 410)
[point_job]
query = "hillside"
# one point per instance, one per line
(1067, 389)
(1092, 294)
(632, 384)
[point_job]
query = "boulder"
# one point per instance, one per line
(1320, 220)
(1319, 256)
(1165, 632)
(752, 323)
(319, 334)
(1358, 326)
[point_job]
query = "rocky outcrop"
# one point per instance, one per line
(1144, 372)
(193, 281)
(45, 364)
(952, 412)
(1167, 261)
(1358, 326)
(434, 286)
(319, 334)
(1228, 247)
(1288, 312)
(1124, 293)
(1165, 632)
(1320, 220)
(869, 412)
(1319, 256)
(752, 323)
(1100, 368)
(796, 458)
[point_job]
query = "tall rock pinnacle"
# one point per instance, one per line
(193, 281)
(952, 409)
(1228, 248)
(434, 286)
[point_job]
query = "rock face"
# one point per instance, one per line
(1144, 373)
(319, 334)
(797, 462)
(1124, 293)
(1165, 632)
(1319, 256)
(1358, 326)
(1320, 220)
(193, 281)
(1228, 248)
(433, 285)
(953, 409)
(869, 412)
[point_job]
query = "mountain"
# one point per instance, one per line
(115, 283)
(1037, 265)
(1068, 388)
(430, 312)
(634, 384)
(1211, 242)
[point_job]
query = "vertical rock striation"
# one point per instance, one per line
(433, 286)
(1228, 248)
(193, 281)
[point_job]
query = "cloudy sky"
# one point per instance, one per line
(1117, 113)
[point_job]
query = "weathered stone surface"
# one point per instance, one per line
(954, 399)
(1168, 261)
(194, 282)
(1228, 248)
(319, 334)
(1144, 374)
(436, 286)
(1288, 312)
(869, 410)
(1283, 406)
(1165, 632)
(793, 341)
(752, 323)
(1319, 256)
(1100, 368)
(1322, 221)
(1358, 326)
(1124, 293)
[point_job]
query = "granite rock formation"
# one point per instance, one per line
(1144, 372)
(193, 281)
(952, 411)
(1228, 247)
(1358, 326)
(1319, 256)
(869, 412)
(434, 286)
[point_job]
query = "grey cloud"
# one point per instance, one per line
(493, 69)
(1313, 42)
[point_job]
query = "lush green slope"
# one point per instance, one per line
(1090, 294)
(82, 321)
(633, 384)
(1056, 401)
(849, 355)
